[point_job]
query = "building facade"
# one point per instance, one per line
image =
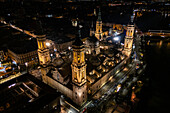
(88, 70)
(30, 57)
(1, 55)
(129, 38)
(79, 72)
(99, 32)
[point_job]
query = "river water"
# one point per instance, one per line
(155, 95)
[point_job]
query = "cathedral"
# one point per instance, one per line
(90, 66)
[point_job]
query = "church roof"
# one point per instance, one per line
(99, 16)
(77, 42)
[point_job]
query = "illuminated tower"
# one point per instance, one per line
(92, 31)
(44, 56)
(43, 51)
(79, 72)
(129, 37)
(98, 32)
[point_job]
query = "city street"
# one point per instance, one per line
(107, 92)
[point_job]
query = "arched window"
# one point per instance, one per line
(58, 77)
(131, 33)
(127, 45)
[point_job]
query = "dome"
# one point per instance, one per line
(58, 61)
(77, 42)
(93, 39)
(95, 60)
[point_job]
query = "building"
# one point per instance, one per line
(102, 30)
(89, 68)
(92, 45)
(1, 55)
(22, 53)
(26, 94)
(129, 37)
(99, 32)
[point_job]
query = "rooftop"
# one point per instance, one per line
(22, 46)
(16, 93)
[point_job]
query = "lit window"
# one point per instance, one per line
(58, 77)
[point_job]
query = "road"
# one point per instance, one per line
(12, 77)
(108, 90)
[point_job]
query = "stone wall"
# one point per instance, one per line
(61, 88)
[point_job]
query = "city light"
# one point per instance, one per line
(116, 38)
(97, 65)
(69, 47)
(12, 85)
(47, 44)
(122, 44)
(55, 50)
(26, 63)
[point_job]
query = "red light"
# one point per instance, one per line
(84, 110)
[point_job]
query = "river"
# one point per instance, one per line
(154, 96)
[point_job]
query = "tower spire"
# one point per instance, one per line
(78, 41)
(79, 29)
(129, 37)
(132, 17)
(79, 70)
(99, 33)
(39, 28)
(92, 24)
(99, 15)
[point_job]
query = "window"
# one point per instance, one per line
(127, 45)
(58, 78)
(78, 57)
(83, 75)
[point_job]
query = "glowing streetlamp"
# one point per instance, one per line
(26, 64)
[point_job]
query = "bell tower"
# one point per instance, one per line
(44, 56)
(43, 51)
(129, 37)
(79, 72)
(92, 31)
(98, 32)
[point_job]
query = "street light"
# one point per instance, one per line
(26, 64)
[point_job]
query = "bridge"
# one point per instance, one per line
(160, 33)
